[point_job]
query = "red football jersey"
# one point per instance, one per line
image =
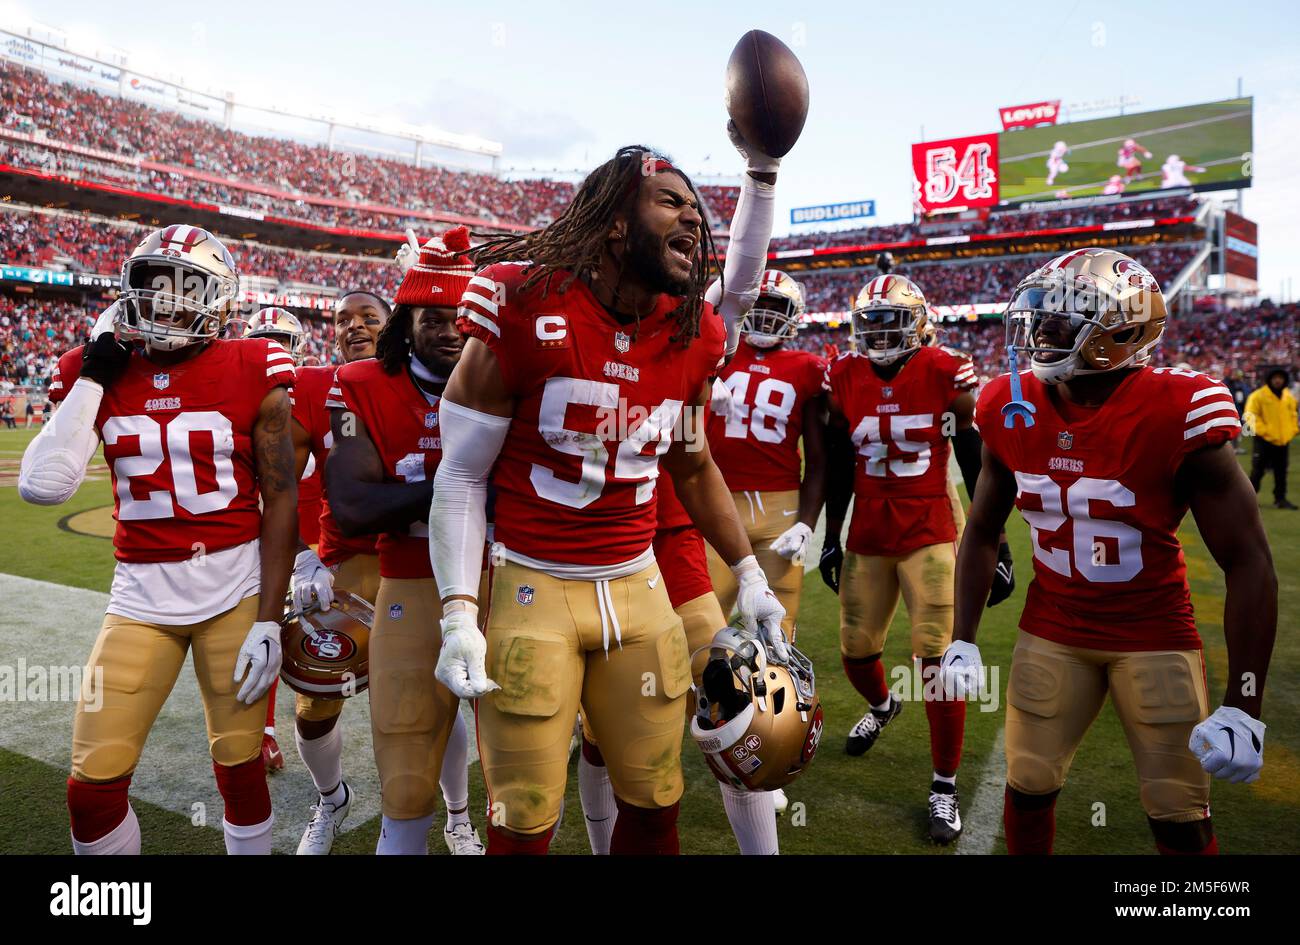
(308, 402)
(178, 442)
(1096, 485)
(403, 424)
(756, 445)
(312, 390)
(900, 482)
(597, 404)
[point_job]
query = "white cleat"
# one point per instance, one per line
(780, 801)
(318, 838)
(462, 840)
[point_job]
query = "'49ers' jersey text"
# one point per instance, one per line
(900, 429)
(178, 441)
(1096, 485)
(403, 424)
(756, 445)
(597, 404)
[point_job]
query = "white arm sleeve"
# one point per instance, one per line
(751, 231)
(54, 464)
(471, 441)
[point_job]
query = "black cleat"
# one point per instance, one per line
(945, 818)
(863, 735)
(1285, 504)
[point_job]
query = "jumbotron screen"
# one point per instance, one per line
(1206, 147)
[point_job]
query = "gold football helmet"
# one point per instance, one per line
(326, 653)
(889, 317)
(758, 721)
(775, 315)
(282, 326)
(1086, 312)
(178, 288)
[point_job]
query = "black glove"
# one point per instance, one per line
(1004, 578)
(831, 561)
(104, 359)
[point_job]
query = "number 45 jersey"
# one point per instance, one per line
(179, 443)
(900, 438)
(1096, 485)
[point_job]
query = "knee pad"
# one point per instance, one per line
(407, 795)
(243, 788)
(96, 809)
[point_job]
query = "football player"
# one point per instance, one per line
(899, 402)
(580, 366)
(776, 397)
(282, 326)
(1127, 158)
(195, 432)
(379, 478)
(1104, 455)
(325, 556)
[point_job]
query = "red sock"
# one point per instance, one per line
(591, 752)
(243, 788)
(1210, 849)
(270, 705)
(501, 843)
(96, 810)
(1029, 822)
(1185, 838)
(867, 677)
(643, 831)
(947, 719)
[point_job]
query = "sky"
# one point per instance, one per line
(564, 85)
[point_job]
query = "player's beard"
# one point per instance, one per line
(647, 257)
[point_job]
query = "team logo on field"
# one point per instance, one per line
(329, 645)
(394, 611)
(1065, 440)
(162, 381)
(431, 419)
(622, 342)
(525, 594)
(886, 392)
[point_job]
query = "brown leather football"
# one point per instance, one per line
(766, 92)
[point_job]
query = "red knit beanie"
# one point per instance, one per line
(442, 273)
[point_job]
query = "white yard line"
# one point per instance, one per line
(982, 819)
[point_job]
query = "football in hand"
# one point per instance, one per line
(766, 92)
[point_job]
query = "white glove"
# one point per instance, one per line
(755, 160)
(1230, 745)
(462, 660)
(408, 254)
(961, 671)
(311, 579)
(720, 398)
(792, 544)
(260, 657)
(107, 320)
(761, 612)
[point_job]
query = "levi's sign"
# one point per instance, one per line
(1026, 116)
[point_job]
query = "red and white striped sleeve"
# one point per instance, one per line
(1209, 414)
(334, 399)
(279, 367)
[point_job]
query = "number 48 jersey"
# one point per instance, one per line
(1096, 485)
(179, 443)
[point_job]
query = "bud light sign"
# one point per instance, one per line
(830, 212)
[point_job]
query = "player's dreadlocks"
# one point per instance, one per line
(393, 346)
(575, 241)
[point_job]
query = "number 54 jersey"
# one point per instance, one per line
(597, 404)
(900, 437)
(1096, 485)
(179, 443)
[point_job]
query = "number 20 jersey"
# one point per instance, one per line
(179, 443)
(1096, 485)
(900, 479)
(596, 405)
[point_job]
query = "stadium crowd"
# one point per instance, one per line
(283, 172)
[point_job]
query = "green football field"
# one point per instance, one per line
(1215, 136)
(873, 804)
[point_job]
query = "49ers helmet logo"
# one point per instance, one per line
(814, 736)
(329, 645)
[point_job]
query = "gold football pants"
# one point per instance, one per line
(870, 586)
(765, 515)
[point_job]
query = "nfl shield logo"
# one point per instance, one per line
(431, 419)
(622, 342)
(162, 381)
(1065, 440)
(525, 594)
(394, 611)
(886, 392)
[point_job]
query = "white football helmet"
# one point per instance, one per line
(178, 288)
(280, 325)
